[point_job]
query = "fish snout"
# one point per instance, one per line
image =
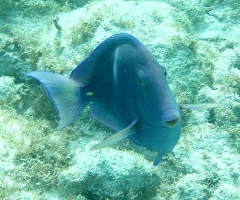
(170, 117)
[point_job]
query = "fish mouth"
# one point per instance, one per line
(172, 123)
(170, 117)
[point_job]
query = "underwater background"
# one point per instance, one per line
(196, 40)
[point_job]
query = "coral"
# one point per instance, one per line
(11, 94)
(107, 175)
(84, 29)
(37, 153)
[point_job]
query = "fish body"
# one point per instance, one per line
(128, 91)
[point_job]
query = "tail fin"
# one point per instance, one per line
(65, 94)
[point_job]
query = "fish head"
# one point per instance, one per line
(160, 118)
(154, 98)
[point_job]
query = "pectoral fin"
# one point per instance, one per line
(116, 137)
(202, 105)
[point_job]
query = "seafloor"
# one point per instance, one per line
(198, 42)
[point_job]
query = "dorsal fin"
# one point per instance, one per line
(84, 71)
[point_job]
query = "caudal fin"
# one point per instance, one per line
(64, 93)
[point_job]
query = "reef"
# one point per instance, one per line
(197, 41)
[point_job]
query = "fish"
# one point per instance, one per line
(128, 92)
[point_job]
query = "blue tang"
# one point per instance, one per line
(128, 91)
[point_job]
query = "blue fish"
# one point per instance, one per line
(128, 91)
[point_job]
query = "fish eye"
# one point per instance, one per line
(141, 78)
